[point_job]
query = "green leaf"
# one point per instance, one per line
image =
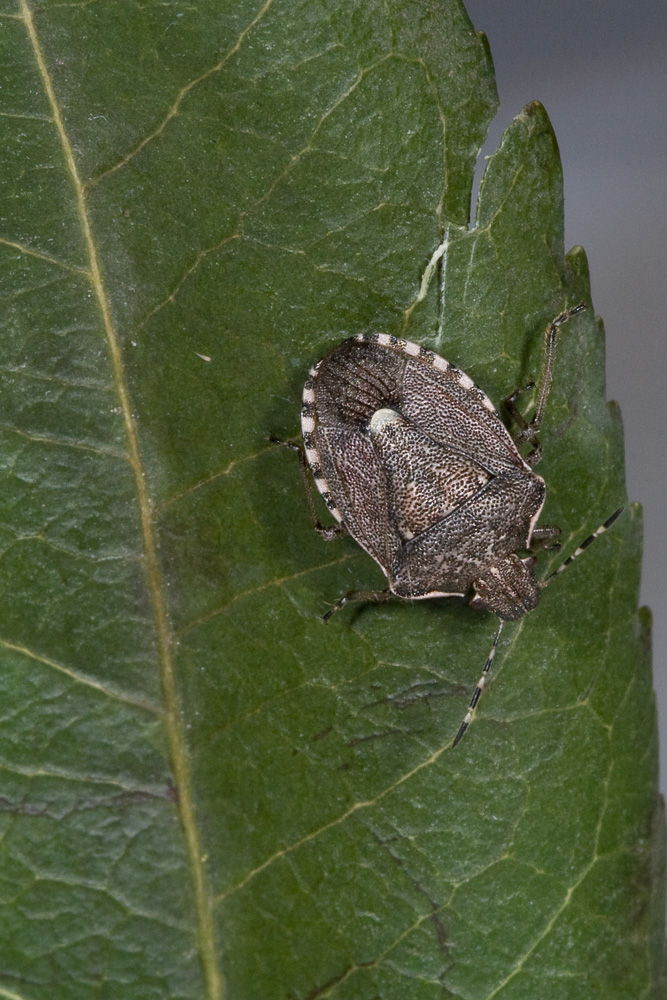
(205, 792)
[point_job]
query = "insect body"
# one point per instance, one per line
(414, 463)
(412, 458)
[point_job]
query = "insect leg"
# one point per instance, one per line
(513, 410)
(376, 596)
(545, 537)
(528, 432)
(326, 531)
(549, 531)
(584, 545)
(481, 683)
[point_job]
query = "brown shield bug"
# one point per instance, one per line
(414, 463)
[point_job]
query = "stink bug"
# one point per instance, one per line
(414, 463)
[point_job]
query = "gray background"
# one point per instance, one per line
(600, 69)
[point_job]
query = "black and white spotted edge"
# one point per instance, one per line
(408, 349)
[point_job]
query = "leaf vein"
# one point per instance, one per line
(182, 94)
(173, 724)
(212, 478)
(10, 995)
(42, 377)
(113, 693)
(355, 808)
(257, 590)
(29, 252)
(189, 271)
(64, 442)
(154, 791)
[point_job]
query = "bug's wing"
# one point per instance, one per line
(358, 483)
(449, 556)
(448, 407)
(425, 480)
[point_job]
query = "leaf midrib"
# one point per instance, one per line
(175, 735)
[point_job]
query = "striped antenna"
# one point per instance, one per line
(481, 683)
(480, 687)
(584, 545)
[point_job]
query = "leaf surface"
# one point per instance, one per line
(205, 791)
